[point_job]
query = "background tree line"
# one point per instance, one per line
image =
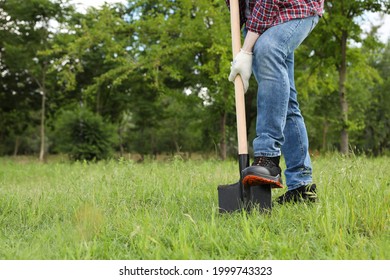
(150, 77)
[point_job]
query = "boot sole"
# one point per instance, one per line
(253, 180)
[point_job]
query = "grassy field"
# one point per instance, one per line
(169, 210)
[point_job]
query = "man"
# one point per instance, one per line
(274, 29)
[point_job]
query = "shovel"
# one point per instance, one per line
(236, 196)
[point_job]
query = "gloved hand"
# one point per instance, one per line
(242, 65)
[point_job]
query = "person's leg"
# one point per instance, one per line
(295, 148)
(271, 69)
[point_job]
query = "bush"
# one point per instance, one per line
(84, 135)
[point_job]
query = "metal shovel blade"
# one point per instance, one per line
(260, 197)
(233, 197)
(230, 198)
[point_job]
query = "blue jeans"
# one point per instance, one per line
(280, 127)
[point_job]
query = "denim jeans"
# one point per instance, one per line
(280, 127)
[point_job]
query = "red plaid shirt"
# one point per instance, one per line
(267, 13)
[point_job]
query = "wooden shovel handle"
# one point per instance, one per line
(238, 84)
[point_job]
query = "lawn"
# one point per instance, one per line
(163, 210)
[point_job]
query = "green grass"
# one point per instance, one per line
(169, 210)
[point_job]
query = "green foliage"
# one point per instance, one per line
(94, 60)
(192, 53)
(25, 52)
(158, 71)
(376, 133)
(329, 77)
(84, 135)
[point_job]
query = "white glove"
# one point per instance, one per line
(242, 65)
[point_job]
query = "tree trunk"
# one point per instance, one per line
(43, 109)
(325, 129)
(16, 147)
(344, 144)
(120, 134)
(222, 144)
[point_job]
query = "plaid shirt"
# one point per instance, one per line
(268, 13)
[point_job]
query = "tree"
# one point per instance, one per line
(377, 115)
(193, 53)
(333, 43)
(29, 38)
